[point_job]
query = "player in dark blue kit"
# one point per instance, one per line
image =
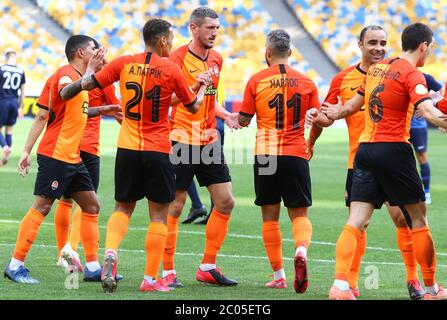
(12, 80)
(418, 138)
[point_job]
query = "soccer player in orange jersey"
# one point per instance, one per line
(61, 171)
(372, 44)
(280, 97)
(384, 165)
(197, 150)
(68, 239)
(143, 168)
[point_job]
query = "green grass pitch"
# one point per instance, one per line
(242, 256)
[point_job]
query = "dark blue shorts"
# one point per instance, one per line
(9, 111)
(418, 138)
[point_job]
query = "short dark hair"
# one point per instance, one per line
(154, 29)
(415, 34)
(10, 53)
(199, 14)
(278, 41)
(367, 28)
(74, 43)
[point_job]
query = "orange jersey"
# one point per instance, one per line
(199, 128)
(280, 97)
(391, 88)
(44, 99)
(345, 85)
(97, 98)
(67, 120)
(442, 104)
(147, 83)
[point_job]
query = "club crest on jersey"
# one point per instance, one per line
(54, 185)
(216, 70)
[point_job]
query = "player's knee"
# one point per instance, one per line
(176, 208)
(226, 205)
(92, 207)
(43, 208)
(399, 221)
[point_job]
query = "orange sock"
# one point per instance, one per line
(171, 243)
(90, 236)
(28, 229)
(116, 229)
(355, 266)
(302, 231)
(424, 251)
(271, 235)
(75, 231)
(405, 243)
(345, 251)
(155, 245)
(62, 224)
(216, 231)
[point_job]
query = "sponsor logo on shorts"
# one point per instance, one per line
(54, 185)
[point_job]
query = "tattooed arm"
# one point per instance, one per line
(87, 82)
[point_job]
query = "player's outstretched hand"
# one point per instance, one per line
(442, 130)
(24, 164)
(232, 121)
(97, 62)
(204, 78)
(331, 110)
(311, 114)
(112, 110)
(119, 117)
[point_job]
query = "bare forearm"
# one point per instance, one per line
(34, 133)
(71, 90)
(433, 115)
(244, 120)
(347, 110)
(314, 134)
(21, 99)
(94, 112)
(323, 121)
(221, 112)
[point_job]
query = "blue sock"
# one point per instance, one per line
(195, 199)
(2, 140)
(8, 139)
(425, 175)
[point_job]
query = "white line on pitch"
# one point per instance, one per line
(43, 246)
(233, 235)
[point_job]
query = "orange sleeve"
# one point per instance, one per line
(442, 104)
(110, 96)
(181, 88)
(64, 77)
(110, 73)
(416, 87)
(248, 107)
(334, 90)
(44, 99)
